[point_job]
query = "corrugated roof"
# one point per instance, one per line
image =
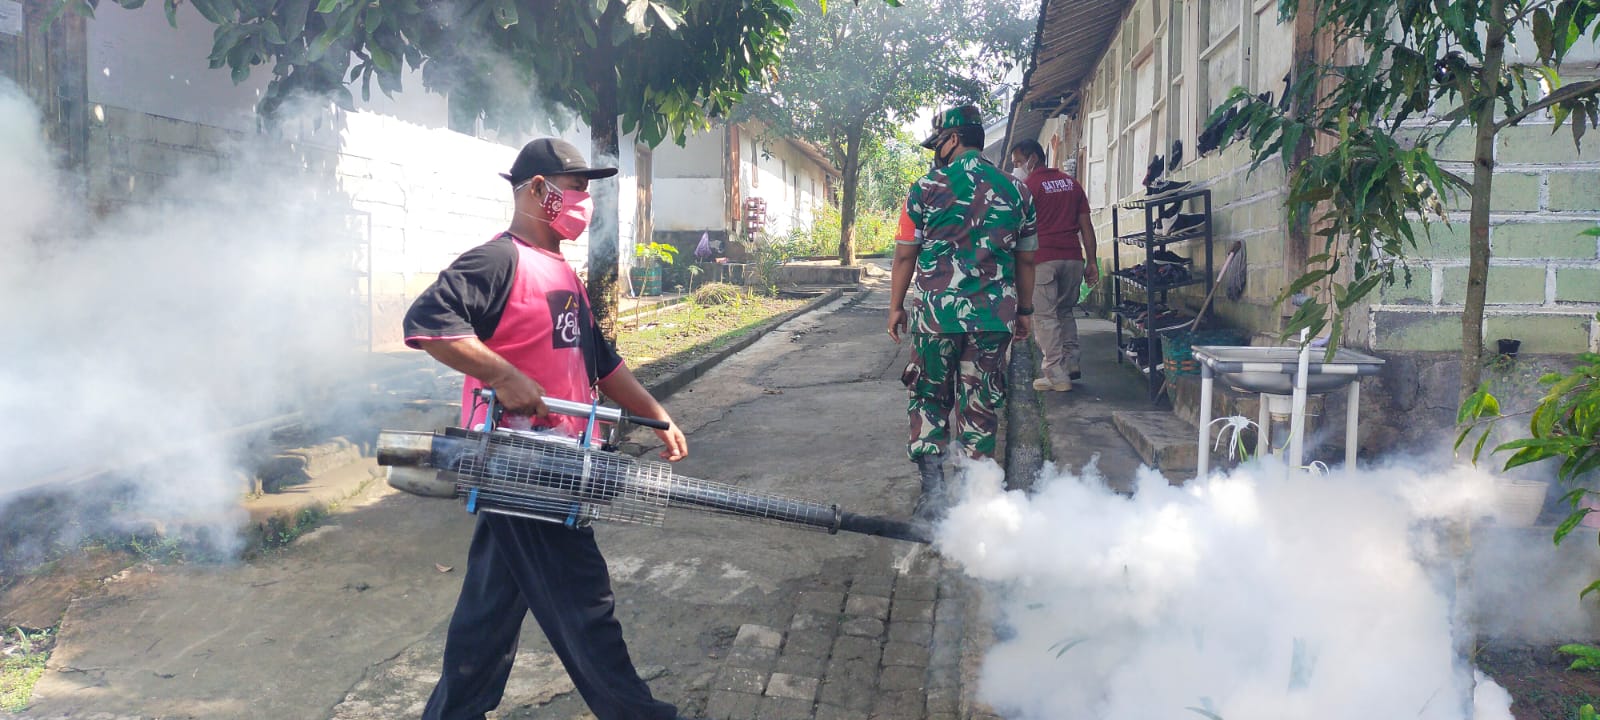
(1068, 43)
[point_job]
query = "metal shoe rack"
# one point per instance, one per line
(1153, 291)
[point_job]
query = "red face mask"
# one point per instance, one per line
(568, 210)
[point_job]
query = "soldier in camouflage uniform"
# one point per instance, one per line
(971, 258)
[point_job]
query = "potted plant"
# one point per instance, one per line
(645, 276)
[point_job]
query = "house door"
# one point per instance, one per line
(51, 65)
(642, 227)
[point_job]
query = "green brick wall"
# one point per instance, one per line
(1577, 285)
(1575, 191)
(1519, 285)
(1535, 144)
(1548, 240)
(1544, 278)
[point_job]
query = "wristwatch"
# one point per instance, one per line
(1024, 310)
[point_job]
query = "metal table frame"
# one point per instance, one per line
(1210, 365)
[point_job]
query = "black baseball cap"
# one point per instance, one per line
(552, 156)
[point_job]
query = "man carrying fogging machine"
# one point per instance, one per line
(513, 316)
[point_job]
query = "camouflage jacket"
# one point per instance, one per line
(971, 219)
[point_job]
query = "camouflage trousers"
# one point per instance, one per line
(961, 372)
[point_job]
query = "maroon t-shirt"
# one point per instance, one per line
(1059, 200)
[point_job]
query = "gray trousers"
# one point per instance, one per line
(1055, 293)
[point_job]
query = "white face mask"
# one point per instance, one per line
(1019, 172)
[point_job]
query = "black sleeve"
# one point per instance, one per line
(606, 359)
(469, 296)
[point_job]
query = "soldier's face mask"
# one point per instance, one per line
(940, 158)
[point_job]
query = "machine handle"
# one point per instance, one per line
(581, 410)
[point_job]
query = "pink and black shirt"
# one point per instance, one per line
(528, 306)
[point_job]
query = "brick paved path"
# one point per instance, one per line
(878, 642)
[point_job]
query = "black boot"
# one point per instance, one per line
(931, 505)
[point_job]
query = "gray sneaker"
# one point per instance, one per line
(1045, 384)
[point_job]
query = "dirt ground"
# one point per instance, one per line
(1541, 686)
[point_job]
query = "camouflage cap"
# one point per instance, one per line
(963, 116)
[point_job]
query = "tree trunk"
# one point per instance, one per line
(1482, 182)
(849, 199)
(603, 228)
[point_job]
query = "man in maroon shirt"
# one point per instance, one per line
(1065, 259)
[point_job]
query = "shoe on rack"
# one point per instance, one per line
(1165, 186)
(1170, 275)
(1183, 223)
(1154, 172)
(1167, 257)
(1193, 223)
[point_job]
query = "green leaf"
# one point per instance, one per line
(635, 15)
(319, 46)
(1543, 33)
(670, 17)
(1064, 646)
(270, 31)
(383, 60)
(1580, 650)
(327, 6)
(170, 7)
(1477, 450)
(294, 18)
(1570, 523)
(209, 11)
(1589, 589)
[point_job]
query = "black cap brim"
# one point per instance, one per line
(591, 173)
(932, 141)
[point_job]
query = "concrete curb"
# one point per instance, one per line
(1027, 435)
(665, 387)
(1027, 444)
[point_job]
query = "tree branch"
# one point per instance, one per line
(1562, 94)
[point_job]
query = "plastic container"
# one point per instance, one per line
(1520, 501)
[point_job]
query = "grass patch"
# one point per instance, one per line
(22, 658)
(279, 531)
(674, 337)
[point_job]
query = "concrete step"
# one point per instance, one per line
(1164, 441)
(819, 274)
(298, 466)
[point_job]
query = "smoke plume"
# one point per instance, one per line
(1244, 597)
(138, 339)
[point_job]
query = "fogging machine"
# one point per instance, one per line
(553, 478)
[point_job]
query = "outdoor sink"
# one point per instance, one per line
(1279, 384)
(1271, 372)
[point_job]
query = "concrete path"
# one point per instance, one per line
(1080, 425)
(729, 618)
